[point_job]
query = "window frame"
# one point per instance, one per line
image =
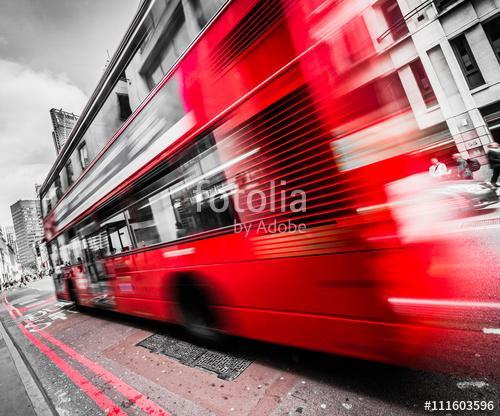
(442, 5)
(124, 106)
(164, 44)
(69, 172)
(80, 147)
(398, 28)
(466, 73)
(495, 18)
(429, 101)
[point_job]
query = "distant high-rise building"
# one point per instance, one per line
(26, 217)
(63, 122)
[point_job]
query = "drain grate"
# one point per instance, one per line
(153, 343)
(182, 351)
(225, 366)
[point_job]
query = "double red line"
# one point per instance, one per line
(103, 401)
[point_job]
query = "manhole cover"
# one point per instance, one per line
(225, 366)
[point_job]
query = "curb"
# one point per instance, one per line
(39, 399)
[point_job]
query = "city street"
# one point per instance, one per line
(250, 208)
(99, 362)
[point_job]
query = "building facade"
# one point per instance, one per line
(438, 61)
(9, 235)
(8, 265)
(457, 46)
(158, 35)
(62, 123)
(26, 217)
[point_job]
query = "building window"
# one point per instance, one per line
(467, 62)
(168, 50)
(394, 18)
(118, 235)
(423, 83)
(124, 104)
(83, 155)
(492, 29)
(443, 4)
(177, 208)
(357, 40)
(204, 10)
(59, 191)
(69, 172)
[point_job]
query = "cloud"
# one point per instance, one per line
(3, 41)
(26, 148)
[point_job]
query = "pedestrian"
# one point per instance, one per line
(462, 168)
(494, 161)
(437, 168)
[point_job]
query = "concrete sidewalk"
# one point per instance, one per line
(20, 393)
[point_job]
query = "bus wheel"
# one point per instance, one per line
(198, 318)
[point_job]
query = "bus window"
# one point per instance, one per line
(97, 245)
(193, 200)
(118, 235)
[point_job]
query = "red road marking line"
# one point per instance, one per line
(104, 402)
(150, 407)
(135, 397)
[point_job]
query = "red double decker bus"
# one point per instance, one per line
(231, 174)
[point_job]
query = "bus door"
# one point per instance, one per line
(101, 246)
(95, 251)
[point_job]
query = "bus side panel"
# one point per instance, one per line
(247, 276)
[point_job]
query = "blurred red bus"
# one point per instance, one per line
(247, 194)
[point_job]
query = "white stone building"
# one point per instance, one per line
(458, 45)
(9, 269)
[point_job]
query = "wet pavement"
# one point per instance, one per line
(94, 363)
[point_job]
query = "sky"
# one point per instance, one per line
(52, 54)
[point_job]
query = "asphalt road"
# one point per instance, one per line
(91, 364)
